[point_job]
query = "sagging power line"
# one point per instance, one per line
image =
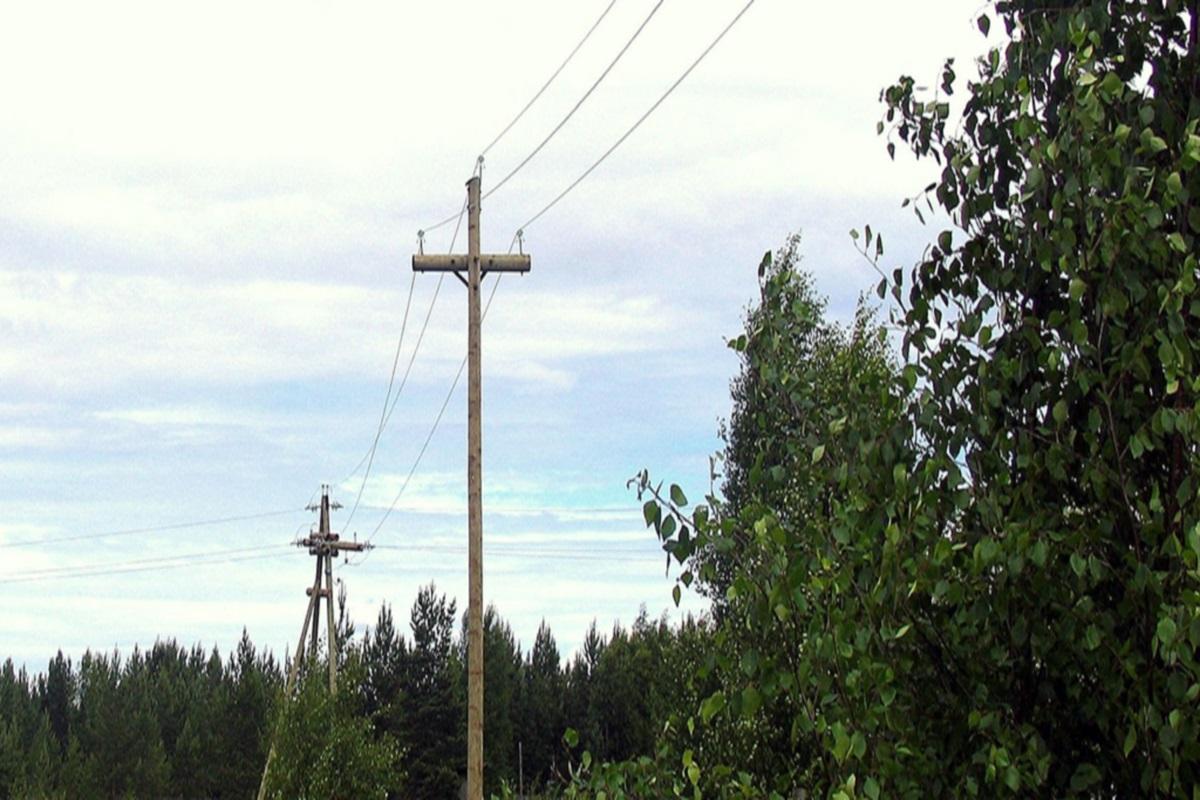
(149, 529)
(175, 563)
(386, 413)
(537, 96)
(566, 118)
(550, 80)
(637, 124)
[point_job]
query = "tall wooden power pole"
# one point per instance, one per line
(476, 266)
(325, 545)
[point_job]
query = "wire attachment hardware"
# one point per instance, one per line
(421, 242)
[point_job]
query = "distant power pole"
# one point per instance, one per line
(476, 266)
(325, 545)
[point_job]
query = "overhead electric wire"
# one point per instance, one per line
(550, 80)
(119, 570)
(149, 560)
(433, 429)
(640, 119)
(385, 414)
(153, 529)
(654, 107)
(386, 398)
(430, 228)
(479, 161)
(577, 105)
(533, 552)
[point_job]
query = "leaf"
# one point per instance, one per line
(650, 512)
(712, 706)
(1085, 775)
(1111, 83)
(858, 745)
(675, 594)
(818, 453)
(1166, 631)
(751, 701)
(841, 742)
(1060, 412)
(1130, 741)
(571, 737)
(668, 528)
(1039, 552)
(677, 496)
(1175, 183)
(984, 24)
(903, 630)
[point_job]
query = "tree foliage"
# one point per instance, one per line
(186, 723)
(995, 592)
(325, 746)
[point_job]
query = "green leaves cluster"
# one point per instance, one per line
(977, 574)
(325, 745)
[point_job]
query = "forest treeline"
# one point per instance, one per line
(177, 722)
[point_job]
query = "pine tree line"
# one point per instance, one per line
(178, 722)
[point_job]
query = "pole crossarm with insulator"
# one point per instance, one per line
(325, 545)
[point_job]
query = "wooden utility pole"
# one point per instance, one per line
(476, 266)
(325, 545)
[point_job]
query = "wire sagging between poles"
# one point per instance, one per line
(640, 120)
(546, 85)
(578, 103)
(385, 413)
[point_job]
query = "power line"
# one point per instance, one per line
(640, 120)
(154, 529)
(546, 85)
(580, 102)
(556, 555)
(430, 228)
(385, 413)
(386, 398)
(147, 560)
(479, 161)
(529, 511)
(153, 568)
(433, 429)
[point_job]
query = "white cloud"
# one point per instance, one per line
(71, 331)
(38, 437)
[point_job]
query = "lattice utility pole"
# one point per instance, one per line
(476, 266)
(325, 545)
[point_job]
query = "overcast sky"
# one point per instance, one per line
(206, 222)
